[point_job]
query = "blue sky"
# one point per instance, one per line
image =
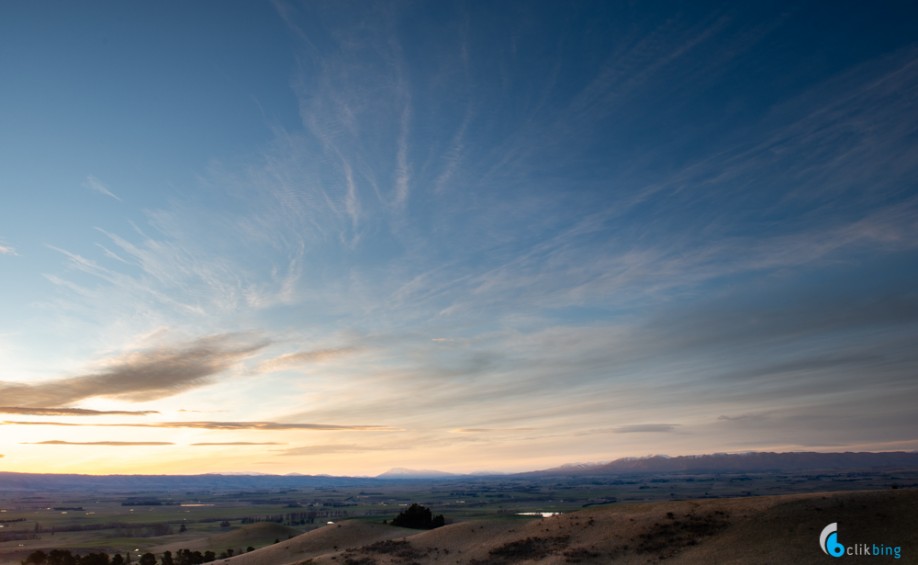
(341, 237)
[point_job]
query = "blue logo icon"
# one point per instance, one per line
(828, 541)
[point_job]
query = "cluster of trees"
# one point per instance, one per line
(64, 557)
(181, 557)
(418, 517)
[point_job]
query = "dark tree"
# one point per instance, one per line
(117, 559)
(167, 557)
(147, 559)
(418, 517)
(36, 558)
(95, 559)
(60, 557)
(183, 528)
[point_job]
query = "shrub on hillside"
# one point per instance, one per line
(418, 517)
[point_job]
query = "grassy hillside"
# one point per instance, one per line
(772, 529)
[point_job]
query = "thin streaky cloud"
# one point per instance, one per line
(336, 448)
(111, 254)
(62, 424)
(139, 290)
(403, 170)
(287, 13)
(7, 250)
(306, 357)
(646, 428)
(95, 185)
(490, 430)
(105, 443)
(453, 157)
(239, 443)
(28, 411)
(268, 426)
(272, 426)
(351, 200)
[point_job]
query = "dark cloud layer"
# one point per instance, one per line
(790, 311)
(829, 420)
(142, 375)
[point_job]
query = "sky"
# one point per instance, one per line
(342, 237)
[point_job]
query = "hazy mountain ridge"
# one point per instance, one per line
(744, 462)
(403, 473)
(711, 463)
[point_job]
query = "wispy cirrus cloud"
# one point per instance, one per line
(96, 185)
(137, 376)
(402, 168)
(7, 249)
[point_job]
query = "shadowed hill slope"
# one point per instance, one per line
(325, 541)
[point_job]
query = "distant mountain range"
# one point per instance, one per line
(658, 464)
(742, 463)
(402, 473)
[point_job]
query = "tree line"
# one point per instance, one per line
(180, 557)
